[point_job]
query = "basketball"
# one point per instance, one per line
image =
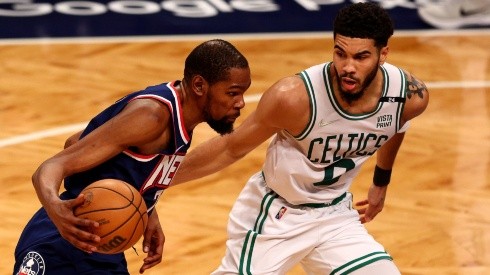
(120, 211)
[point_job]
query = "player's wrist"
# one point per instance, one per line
(381, 176)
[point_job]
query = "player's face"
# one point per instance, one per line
(356, 63)
(225, 99)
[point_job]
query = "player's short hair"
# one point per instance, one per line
(364, 20)
(212, 60)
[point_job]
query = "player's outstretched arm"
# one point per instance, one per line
(284, 106)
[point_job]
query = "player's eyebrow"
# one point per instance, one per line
(356, 54)
(338, 48)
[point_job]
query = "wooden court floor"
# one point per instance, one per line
(436, 219)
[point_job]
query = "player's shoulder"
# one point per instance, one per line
(417, 95)
(152, 112)
(284, 104)
(287, 91)
(289, 84)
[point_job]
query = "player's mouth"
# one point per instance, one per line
(348, 84)
(232, 118)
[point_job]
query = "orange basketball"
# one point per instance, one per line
(120, 211)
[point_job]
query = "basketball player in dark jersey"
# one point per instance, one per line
(141, 139)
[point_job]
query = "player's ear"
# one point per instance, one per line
(199, 85)
(383, 54)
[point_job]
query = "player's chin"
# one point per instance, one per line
(231, 120)
(222, 127)
(227, 128)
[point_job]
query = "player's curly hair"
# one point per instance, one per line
(212, 60)
(364, 20)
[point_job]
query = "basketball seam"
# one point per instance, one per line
(137, 213)
(136, 209)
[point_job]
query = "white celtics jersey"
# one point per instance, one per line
(319, 165)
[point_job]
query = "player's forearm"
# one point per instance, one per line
(204, 160)
(46, 184)
(386, 155)
(72, 139)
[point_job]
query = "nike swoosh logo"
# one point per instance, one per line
(322, 123)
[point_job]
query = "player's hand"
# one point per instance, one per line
(75, 230)
(369, 208)
(153, 241)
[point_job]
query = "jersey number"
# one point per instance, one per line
(334, 171)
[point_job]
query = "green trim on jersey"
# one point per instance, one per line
(311, 94)
(403, 94)
(361, 262)
(249, 243)
(335, 103)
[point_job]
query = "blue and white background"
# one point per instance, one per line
(97, 18)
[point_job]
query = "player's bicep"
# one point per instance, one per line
(140, 122)
(88, 152)
(134, 126)
(284, 106)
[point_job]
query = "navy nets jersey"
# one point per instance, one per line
(41, 245)
(150, 174)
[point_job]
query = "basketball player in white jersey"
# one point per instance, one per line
(325, 123)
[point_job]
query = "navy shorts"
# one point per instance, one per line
(42, 251)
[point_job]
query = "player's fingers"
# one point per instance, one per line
(153, 258)
(148, 265)
(162, 243)
(74, 203)
(146, 244)
(155, 253)
(85, 223)
(362, 203)
(370, 213)
(88, 236)
(365, 219)
(368, 217)
(80, 235)
(88, 245)
(150, 262)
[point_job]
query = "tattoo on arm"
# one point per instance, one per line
(415, 86)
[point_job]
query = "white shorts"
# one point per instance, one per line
(267, 235)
